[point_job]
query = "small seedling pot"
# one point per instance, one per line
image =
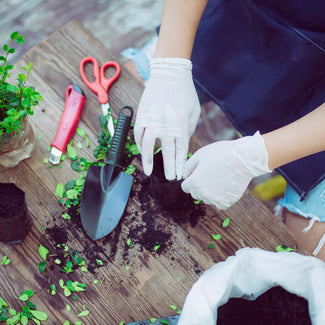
(168, 194)
(15, 221)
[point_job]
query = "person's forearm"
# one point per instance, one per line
(179, 24)
(299, 139)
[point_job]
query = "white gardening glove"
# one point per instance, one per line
(169, 109)
(249, 274)
(219, 173)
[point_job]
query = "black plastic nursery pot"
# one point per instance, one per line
(168, 194)
(15, 221)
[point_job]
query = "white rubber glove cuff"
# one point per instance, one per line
(178, 66)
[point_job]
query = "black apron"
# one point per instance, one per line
(263, 62)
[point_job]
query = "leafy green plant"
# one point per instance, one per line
(17, 100)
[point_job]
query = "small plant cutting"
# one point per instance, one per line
(17, 100)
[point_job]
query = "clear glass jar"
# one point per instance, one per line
(17, 147)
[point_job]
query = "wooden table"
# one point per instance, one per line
(135, 283)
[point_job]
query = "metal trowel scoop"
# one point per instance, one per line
(107, 188)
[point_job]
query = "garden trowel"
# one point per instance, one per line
(107, 188)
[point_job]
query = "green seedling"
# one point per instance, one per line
(16, 100)
(99, 261)
(76, 258)
(129, 242)
(53, 289)
(156, 247)
(68, 267)
(5, 260)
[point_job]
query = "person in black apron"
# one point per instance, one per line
(263, 62)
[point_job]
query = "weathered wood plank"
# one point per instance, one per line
(135, 283)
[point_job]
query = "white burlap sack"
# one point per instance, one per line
(250, 273)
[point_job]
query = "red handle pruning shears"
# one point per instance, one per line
(101, 84)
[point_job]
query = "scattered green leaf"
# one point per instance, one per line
(59, 190)
(129, 242)
(216, 236)
(5, 260)
(83, 313)
(43, 251)
(40, 315)
(226, 222)
(130, 169)
(42, 266)
(284, 248)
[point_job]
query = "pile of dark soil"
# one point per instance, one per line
(275, 307)
(145, 222)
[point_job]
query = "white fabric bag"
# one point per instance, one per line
(250, 273)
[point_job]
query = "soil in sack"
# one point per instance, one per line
(275, 307)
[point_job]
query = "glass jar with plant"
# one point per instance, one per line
(17, 101)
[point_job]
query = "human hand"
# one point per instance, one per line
(220, 172)
(169, 109)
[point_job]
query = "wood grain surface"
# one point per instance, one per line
(134, 283)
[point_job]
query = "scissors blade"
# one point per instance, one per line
(106, 109)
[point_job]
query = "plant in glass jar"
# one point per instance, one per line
(17, 101)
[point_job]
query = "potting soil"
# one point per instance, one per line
(275, 307)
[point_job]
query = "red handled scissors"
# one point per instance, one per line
(101, 84)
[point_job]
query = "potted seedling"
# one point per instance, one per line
(17, 101)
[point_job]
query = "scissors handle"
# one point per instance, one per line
(101, 85)
(107, 83)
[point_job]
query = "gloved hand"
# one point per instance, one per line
(169, 109)
(220, 172)
(249, 274)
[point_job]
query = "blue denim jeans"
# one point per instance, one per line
(313, 206)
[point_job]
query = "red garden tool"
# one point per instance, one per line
(74, 103)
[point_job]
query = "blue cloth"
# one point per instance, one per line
(312, 207)
(263, 62)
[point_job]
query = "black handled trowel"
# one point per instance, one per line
(107, 188)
